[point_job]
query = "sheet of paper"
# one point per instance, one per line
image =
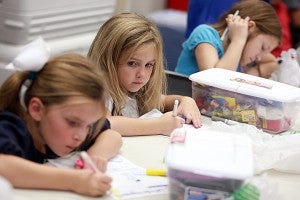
(130, 180)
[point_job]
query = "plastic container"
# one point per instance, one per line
(68, 25)
(207, 163)
(269, 105)
(21, 21)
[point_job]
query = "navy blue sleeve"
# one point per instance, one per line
(14, 137)
(105, 126)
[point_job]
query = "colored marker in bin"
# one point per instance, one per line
(156, 172)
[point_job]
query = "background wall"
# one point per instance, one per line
(143, 7)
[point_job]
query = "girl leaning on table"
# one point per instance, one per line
(253, 32)
(128, 50)
(48, 109)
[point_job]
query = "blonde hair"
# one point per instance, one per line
(261, 12)
(60, 78)
(125, 33)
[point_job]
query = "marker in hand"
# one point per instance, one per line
(226, 30)
(88, 161)
(175, 108)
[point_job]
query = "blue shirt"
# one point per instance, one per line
(15, 139)
(187, 63)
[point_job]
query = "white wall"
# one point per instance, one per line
(140, 6)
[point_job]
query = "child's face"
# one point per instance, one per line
(256, 47)
(65, 126)
(135, 72)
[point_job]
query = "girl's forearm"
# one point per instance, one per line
(26, 174)
(136, 126)
(231, 57)
(107, 144)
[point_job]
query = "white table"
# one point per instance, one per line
(148, 152)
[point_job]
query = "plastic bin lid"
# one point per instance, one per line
(211, 153)
(247, 84)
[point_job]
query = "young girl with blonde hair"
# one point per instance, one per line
(51, 109)
(128, 50)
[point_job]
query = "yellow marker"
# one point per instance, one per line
(156, 172)
(116, 193)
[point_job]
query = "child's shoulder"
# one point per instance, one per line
(204, 29)
(204, 32)
(13, 122)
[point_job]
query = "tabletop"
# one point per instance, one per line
(149, 152)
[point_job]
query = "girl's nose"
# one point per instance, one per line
(141, 72)
(80, 135)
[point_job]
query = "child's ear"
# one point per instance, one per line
(251, 26)
(36, 108)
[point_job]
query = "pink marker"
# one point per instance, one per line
(88, 161)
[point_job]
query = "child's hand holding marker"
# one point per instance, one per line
(175, 108)
(189, 111)
(101, 162)
(88, 161)
(226, 30)
(95, 183)
(237, 28)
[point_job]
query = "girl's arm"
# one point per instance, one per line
(163, 125)
(187, 108)
(265, 67)
(107, 145)
(26, 174)
(207, 55)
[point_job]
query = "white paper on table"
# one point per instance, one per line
(130, 180)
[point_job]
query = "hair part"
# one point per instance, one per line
(125, 33)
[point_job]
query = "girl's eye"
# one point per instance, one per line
(132, 63)
(73, 123)
(150, 65)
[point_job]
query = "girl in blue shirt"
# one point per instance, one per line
(252, 34)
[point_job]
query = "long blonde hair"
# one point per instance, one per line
(261, 12)
(125, 33)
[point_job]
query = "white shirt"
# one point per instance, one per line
(130, 110)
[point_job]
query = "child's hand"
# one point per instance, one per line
(168, 122)
(90, 183)
(238, 28)
(189, 109)
(100, 163)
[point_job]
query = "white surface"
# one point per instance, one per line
(57, 46)
(211, 153)
(170, 17)
(23, 20)
(149, 152)
(222, 78)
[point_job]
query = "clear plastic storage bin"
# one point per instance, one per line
(207, 163)
(269, 105)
